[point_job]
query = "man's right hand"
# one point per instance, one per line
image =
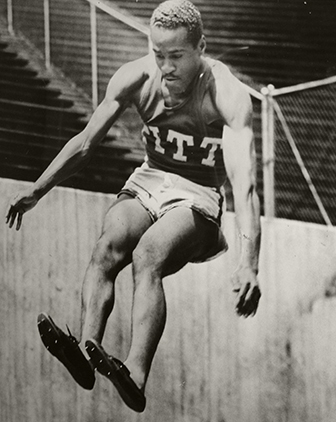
(20, 204)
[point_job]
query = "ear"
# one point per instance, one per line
(202, 44)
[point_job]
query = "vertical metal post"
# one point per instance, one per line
(267, 120)
(46, 10)
(94, 60)
(10, 17)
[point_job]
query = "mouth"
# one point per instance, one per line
(170, 78)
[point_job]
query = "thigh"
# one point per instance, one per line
(180, 236)
(125, 222)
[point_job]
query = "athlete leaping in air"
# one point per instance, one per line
(197, 130)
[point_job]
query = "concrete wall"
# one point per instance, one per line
(211, 366)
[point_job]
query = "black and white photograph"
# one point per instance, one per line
(168, 210)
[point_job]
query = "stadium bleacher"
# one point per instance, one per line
(283, 43)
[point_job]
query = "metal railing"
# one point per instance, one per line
(115, 13)
(270, 109)
(267, 96)
(94, 4)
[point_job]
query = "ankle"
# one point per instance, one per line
(136, 374)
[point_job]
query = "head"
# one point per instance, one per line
(173, 14)
(178, 41)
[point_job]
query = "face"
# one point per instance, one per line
(176, 56)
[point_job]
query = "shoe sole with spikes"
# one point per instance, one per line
(65, 348)
(118, 374)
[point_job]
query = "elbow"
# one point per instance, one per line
(85, 148)
(79, 153)
(251, 192)
(85, 152)
(85, 155)
(244, 185)
(246, 193)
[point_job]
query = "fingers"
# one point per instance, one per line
(252, 301)
(19, 221)
(7, 217)
(13, 215)
(241, 297)
(248, 300)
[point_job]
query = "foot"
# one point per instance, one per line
(118, 374)
(65, 348)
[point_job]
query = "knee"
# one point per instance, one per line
(147, 260)
(109, 255)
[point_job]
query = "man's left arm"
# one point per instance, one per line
(240, 163)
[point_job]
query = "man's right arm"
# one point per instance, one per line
(79, 150)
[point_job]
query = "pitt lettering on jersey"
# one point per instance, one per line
(185, 146)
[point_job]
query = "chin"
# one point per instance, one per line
(176, 85)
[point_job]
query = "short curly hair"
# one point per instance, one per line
(174, 14)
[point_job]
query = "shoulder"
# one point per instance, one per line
(230, 95)
(129, 78)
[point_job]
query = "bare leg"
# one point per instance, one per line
(124, 225)
(148, 322)
(166, 247)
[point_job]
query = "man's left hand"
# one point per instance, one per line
(246, 285)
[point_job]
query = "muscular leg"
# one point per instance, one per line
(125, 223)
(178, 237)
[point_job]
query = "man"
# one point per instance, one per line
(197, 116)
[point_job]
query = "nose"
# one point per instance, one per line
(167, 67)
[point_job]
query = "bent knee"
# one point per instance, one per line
(110, 255)
(147, 258)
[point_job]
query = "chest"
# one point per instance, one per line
(195, 115)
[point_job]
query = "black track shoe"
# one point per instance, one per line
(65, 348)
(118, 374)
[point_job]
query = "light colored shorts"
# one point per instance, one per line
(159, 192)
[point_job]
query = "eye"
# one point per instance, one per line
(176, 56)
(159, 56)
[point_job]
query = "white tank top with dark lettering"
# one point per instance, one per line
(186, 139)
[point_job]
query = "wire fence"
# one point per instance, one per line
(297, 139)
(305, 152)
